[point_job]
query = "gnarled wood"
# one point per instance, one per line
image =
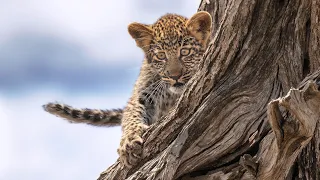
(295, 131)
(219, 129)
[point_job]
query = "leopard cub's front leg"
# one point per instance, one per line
(130, 149)
(133, 127)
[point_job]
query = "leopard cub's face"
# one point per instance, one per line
(174, 46)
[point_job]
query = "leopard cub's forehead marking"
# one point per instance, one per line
(170, 28)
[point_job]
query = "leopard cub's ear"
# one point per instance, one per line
(141, 33)
(200, 26)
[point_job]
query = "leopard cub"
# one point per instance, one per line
(173, 47)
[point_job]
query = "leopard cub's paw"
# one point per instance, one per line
(130, 149)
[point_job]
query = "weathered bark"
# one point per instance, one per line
(219, 129)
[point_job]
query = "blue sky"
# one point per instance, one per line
(75, 52)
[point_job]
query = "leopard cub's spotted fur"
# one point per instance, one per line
(173, 47)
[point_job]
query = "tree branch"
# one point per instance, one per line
(292, 133)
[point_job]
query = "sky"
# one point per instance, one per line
(76, 52)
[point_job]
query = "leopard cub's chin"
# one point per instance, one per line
(176, 90)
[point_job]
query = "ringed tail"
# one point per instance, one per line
(95, 117)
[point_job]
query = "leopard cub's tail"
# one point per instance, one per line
(94, 117)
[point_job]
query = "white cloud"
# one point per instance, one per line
(96, 25)
(7, 150)
(99, 26)
(35, 143)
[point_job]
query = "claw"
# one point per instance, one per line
(130, 149)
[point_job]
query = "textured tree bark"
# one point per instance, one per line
(240, 117)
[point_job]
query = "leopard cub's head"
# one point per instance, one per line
(174, 45)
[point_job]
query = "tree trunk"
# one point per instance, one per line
(241, 116)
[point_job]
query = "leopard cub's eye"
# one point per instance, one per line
(161, 56)
(184, 51)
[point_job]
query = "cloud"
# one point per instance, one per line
(153, 9)
(31, 60)
(7, 150)
(99, 26)
(37, 145)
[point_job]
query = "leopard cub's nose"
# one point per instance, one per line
(174, 75)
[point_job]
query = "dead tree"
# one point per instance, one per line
(252, 111)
